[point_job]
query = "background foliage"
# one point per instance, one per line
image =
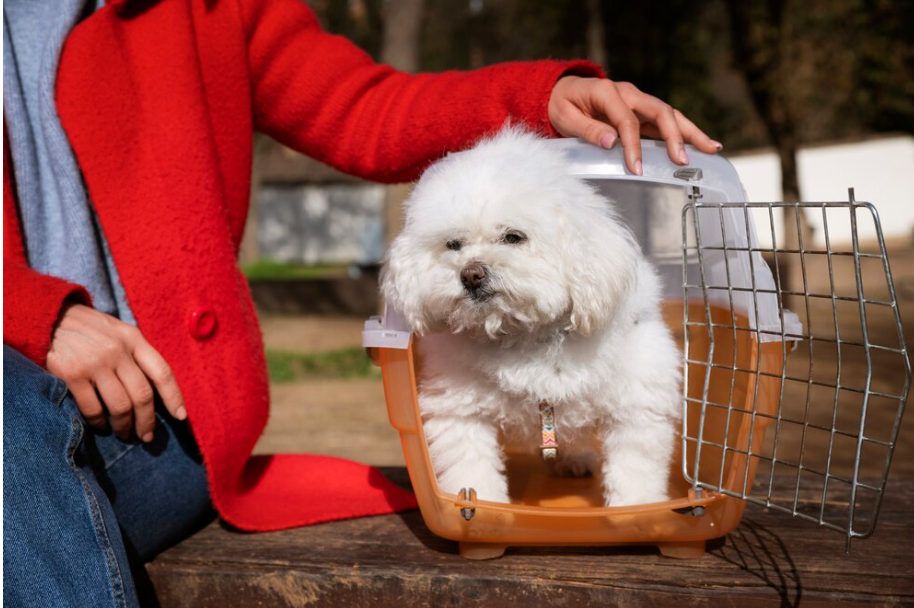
(846, 67)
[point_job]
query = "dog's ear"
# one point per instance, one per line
(402, 285)
(602, 262)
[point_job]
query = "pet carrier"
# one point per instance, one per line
(780, 408)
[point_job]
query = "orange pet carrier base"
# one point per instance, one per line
(550, 510)
(744, 410)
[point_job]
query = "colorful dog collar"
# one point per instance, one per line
(550, 445)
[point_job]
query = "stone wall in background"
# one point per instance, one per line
(322, 224)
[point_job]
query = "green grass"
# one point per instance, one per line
(286, 366)
(271, 270)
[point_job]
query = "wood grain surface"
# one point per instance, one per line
(770, 560)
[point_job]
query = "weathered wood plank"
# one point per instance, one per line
(771, 559)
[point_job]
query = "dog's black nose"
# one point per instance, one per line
(473, 276)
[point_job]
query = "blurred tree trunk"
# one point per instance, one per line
(596, 43)
(400, 49)
(402, 27)
(758, 38)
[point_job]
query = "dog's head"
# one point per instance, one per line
(501, 240)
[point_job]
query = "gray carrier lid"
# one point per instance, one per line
(638, 199)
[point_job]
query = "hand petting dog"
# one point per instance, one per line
(603, 112)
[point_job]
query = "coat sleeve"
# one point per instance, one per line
(320, 94)
(31, 301)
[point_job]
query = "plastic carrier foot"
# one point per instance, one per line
(481, 550)
(684, 550)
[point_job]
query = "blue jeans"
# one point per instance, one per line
(80, 506)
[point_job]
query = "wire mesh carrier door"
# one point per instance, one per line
(804, 416)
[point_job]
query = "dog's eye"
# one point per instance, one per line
(454, 245)
(514, 238)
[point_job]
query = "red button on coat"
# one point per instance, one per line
(202, 322)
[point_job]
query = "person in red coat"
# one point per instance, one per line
(158, 102)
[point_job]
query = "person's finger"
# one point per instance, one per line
(626, 123)
(652, 111)
(609, 138)
(158, 370)
(651, 131)
(88, 404)
(665, 121)
(117, 402)
(593, 131)
(695, 136)
(142, 396)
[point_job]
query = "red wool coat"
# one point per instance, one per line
(159, 101)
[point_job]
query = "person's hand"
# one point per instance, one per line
(603, 112)
(108, 365)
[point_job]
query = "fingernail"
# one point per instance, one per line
(683, 157)
(638, 169)
(717, 145)
(147, 437)
(608, 140)
(181, 414)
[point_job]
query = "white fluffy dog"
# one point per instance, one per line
(527, 289)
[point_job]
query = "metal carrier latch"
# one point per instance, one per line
(467, 503)
(691, 174)
(696, 510)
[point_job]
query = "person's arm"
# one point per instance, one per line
(603, 112)
(107, 364)
(318, 93)
(31, 301)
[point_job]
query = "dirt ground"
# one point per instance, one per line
(348, 418)
(337, 417)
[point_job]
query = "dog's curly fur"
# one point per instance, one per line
(526, 288)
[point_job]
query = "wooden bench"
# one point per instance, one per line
(770, 560)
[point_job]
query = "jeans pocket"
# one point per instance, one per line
(58, 391)
(108, 448)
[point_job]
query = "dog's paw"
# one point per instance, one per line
(489, 484)
(643, 497)
(577, 464)
(489, 492)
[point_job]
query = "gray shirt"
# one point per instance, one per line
(62, 234)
